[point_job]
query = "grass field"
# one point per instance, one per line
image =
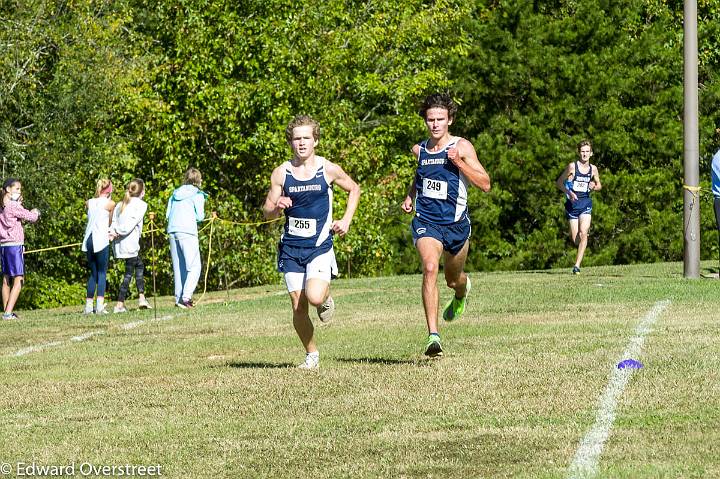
(214, 393)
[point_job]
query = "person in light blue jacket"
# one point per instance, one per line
(186, 208)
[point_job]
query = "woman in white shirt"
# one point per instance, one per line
(96, 244)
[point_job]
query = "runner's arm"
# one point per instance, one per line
(275, 203)
(595, 184)
(338, 176)
(465, 158)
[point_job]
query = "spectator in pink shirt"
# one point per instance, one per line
(12, 243)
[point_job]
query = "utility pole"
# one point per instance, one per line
(691, 193)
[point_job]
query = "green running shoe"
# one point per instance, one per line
(433, 348)
(455, 306)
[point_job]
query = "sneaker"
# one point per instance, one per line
(575, 270)
(456, 306)
(326, 310)
(185, 304)
(311, 362)
(143, 304)
(9, 316)
(89, 310)
(102, 311)
(433, 348)
(119, 309)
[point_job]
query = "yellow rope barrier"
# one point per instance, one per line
(153, 228)
(696, 191)
(205, 227)
(213, 218)
(72, 245)
(52, 248)
(257, 223)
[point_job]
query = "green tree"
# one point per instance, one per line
(65, 74)
(139, 88)
(229, 76)
(539, 79)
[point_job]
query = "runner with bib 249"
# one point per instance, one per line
(447, 167)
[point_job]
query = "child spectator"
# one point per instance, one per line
(12, 243)
(186, 208)
(125, 231)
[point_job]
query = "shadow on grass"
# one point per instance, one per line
(257, 365)
(385, 361)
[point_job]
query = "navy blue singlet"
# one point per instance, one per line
(581, 182)
(308, 220)
(441, 196)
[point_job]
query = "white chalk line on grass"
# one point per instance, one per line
(584, 465)
(84, 336)
(36, 348)
(132, 325)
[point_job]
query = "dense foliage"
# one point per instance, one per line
(146, 88)
(540, 79)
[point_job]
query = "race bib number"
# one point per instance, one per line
(302, 227)
(581, 186)
(436, 189)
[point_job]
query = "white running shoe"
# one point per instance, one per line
(89, 310)
(312, 361)
(119, 309)
(326, 311)
(143, 304)
(102, 311)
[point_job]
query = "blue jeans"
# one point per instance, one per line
(98, 264)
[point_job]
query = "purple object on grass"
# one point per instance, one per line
(629, 363)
